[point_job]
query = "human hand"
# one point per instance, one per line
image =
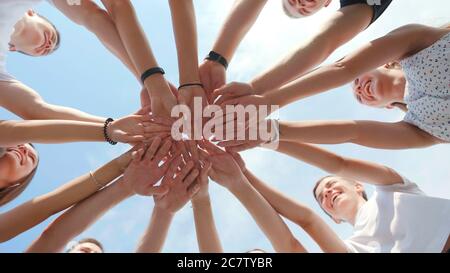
(130, 129)
(179, 179)
(231, 91)
(224, 169)
(213, 76)
(147, 167)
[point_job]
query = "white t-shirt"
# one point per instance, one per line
(11, 11)
(400, 218)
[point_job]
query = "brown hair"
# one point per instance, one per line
(9, 194)
(89, 240)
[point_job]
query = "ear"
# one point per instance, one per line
(359, 188)
(327, 3)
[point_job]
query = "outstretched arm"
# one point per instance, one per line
(28, 104)
(79, 218)
(379, 135)
(241, 18)
(359, 170)
(338, 30)
(207, 235)
(185, 30)
(98, 21)
(300, 214)
(129, 129)
(140, 53)
(227, 173)
(392, 47)
(179, 179)
(33, 212)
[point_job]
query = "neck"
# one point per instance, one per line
(399, 85)
(351, 218)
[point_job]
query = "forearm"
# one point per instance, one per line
(318, 81)
(267, 218)
(301, 215)
(97, 21)
(358, 170)
(105, 30)
(35, 211)
(373, 134)
(136, 44)
(79, 218)
(28, 104)
(338, 29)
(185, 29)
(49, 132)
(242, 17)
(156, 233)
(319, 132)
(48, 111)
(285, 206)
(299, 62)
(207, 235)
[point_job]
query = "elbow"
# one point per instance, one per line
(39, 110)
(295, 246)
(306, 219)
(116, 7)
(92, 18)
(290, 245)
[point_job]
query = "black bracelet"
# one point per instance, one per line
(190, 84)
(151, 72)
(216, 57)
(105, 131)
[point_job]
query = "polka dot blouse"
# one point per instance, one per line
(428, 88)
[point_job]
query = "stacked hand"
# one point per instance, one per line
(213, 76)
(147, 167)
(138, 128)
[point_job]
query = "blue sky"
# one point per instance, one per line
(83, 75)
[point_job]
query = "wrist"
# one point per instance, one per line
(163, 212)
(123, 161)
(201, 200)
(108, 132)
(125, 188)
(238, 185)
(216, 57)
(157, 85)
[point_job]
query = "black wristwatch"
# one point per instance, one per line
(216, 57)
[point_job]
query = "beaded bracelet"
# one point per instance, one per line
(105, 132)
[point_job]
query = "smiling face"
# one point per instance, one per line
(378, 88)
(16, 163)
(302, 8)
(34, 35)
(339, 197)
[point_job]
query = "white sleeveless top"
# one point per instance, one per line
(428, 87)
